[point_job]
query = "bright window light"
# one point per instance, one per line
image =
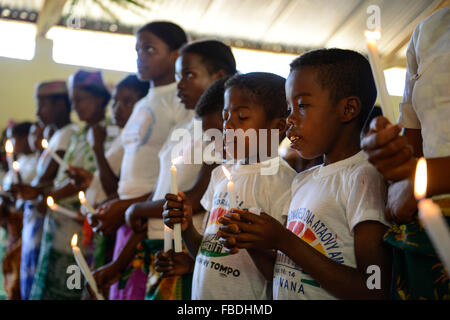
(17, 40)
(93, 49)
(395, 81)
(253, 60)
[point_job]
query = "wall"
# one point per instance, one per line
(19, 77)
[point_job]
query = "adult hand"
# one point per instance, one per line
(110, 216)
(134, 218)
(389, 152)
(177, 210)
(401, 204)
(171, 263)
(80, 177)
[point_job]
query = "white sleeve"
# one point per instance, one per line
(408, 117)
(208, 196)
(60, 140)
(366, 192)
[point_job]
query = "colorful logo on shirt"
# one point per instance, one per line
(211, 247)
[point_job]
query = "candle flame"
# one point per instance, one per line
(16, 166)
(176, 160)
(44, 143)
(420, 180)
(74, 240)
(227, 173)
(81, 196)
(9, 148)
(50, 201)
(373, 35)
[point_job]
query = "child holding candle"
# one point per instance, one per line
(199, 65)
(336, 217)
(418, 272)
(253, 101)
(89, 97)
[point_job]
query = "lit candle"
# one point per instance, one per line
(54, 155)
(16, 172)
(84, 267)
(380, 82)
(230, 189)
(52, 205)
(174, 190)
(9, 148)
(168, 233)
(431, 216)
(84, 202)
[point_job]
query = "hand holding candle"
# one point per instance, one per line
(380, 82)
(54, 155)
(431, 216)
(79, 258)
(86, 204)
(174, 190)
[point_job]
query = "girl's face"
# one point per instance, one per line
(155, 60)
(193, 79)
(45, 110)
(124, 100)
(35, 137)
(240, 112)
(86, 105)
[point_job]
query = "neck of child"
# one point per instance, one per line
(163, 80)
(346, 145)
(95, 119)
(62, 122)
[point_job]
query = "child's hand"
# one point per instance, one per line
(26, 192)
(261, 231)
(177, 210)
(99, 135)
(135, 220)
(389, 152)
(79, 177)
(171, 263)
(110, 217)
(401, 204)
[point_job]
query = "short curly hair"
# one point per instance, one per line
(266, 89)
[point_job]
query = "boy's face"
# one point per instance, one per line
(313, 121)
(123, 103)
(240, 112)
(45, 111)
(193, 79)
(154, 57)
(86, 105)
(35, 137)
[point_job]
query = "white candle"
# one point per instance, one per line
(380, 82)
(83, 201)
(79, 258)
(230, 189)
(52, 205)
(54, 155)
(9, 148)
(174, 190)
(431, 216)
(16, 172)
(167, 238)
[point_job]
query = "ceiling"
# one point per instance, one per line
(276, 25)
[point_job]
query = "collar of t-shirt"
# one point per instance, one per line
(162, 89)
(324, 171)
(241, 168)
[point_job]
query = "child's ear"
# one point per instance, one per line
(219, 74)
(349, 108)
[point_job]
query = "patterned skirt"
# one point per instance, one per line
(417, 271)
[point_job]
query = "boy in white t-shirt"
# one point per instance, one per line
(253, 102)
(333, 240)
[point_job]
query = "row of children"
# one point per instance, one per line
(311, 235)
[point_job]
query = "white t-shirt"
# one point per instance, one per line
(144, 134)
(114, 154)
(222, 276)
(27, 163)
(327, 203)
(59, 141)
(187, 172)
(426, 99)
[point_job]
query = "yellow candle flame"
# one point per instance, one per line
(74, 240)
(9, 148)
(44, 143)
(373, 35)
(50, 201)
(176, 160)
(420, 180)
(81, 196)
(227, 173)
(16, 166)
